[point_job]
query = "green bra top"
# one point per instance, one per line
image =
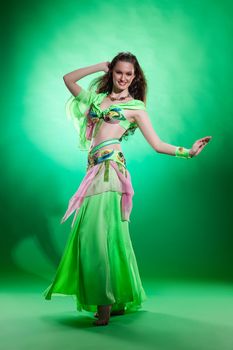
(85, 110)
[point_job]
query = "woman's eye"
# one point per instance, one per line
(129, 74)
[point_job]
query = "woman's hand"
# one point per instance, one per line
(104, 66)
(199, 145)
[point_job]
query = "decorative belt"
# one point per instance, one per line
(102, 144)
(96, 156)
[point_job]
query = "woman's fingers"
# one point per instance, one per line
(200, 144)
(207, 138)
(204, 139)
(200, 148)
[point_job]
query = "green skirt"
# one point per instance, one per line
(98, 265)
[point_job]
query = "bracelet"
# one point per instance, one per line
(182, 152)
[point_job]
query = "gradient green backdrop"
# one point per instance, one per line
(181, 223)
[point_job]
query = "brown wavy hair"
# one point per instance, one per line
(137, 88)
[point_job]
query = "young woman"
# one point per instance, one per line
(98, 265)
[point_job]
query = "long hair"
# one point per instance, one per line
(137, 88)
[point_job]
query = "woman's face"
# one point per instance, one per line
(122, 75)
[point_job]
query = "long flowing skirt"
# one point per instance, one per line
(98, 265)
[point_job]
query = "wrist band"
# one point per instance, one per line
(182, 152)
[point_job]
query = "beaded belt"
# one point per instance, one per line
(102, 144)
(96, 156)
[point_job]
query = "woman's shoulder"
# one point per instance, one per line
(136, 104)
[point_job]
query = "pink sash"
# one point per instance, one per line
(78, 197)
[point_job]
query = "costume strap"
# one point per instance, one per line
(104, 143)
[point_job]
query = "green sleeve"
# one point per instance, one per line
(76, 106)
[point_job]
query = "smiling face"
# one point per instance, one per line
(122, 75)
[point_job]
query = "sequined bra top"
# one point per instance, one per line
(112, 115)
(85, 110)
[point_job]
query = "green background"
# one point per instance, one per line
(181, 223)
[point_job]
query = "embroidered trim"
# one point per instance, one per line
(106, 171)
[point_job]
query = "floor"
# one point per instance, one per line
(177, 315)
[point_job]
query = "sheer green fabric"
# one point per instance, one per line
(98, 266)
(77, 108)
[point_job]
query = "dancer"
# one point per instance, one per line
(98, 265)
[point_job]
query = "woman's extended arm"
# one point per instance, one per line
(146, 127)
(71, 78)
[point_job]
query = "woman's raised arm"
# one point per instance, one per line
(71, 78)
(144, 123)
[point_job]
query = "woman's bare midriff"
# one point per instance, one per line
(107, 133)
(111, 131)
